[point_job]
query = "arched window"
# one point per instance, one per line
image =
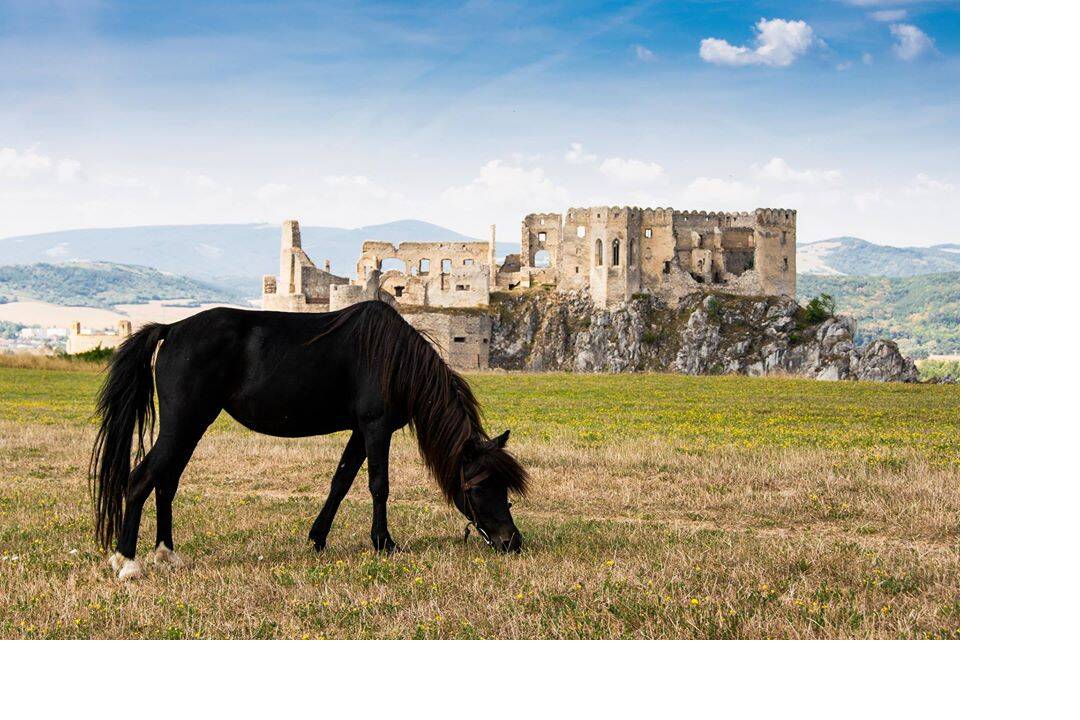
(599, 251)
(630, 253)
(615, 252)
(425, 266)
(446, 266)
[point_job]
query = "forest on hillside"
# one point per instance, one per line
(921, 313)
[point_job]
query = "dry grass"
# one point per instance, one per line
(634, 531)
(30, 361)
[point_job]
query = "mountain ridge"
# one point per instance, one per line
(848, 255)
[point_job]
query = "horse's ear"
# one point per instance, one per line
(500, 441)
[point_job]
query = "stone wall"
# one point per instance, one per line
(300, 286)
(616, 252)
(462, 338)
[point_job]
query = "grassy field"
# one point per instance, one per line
(664, 507)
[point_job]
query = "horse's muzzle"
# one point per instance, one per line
(511, 544)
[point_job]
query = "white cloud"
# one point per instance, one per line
(867, 59)
(68, 170)
(118, 181)
(360, 184)
(888, 15)
(272, 191)
(777, 44)
(843, 65)
(18, 165)
(778, 170)
(631, 172)
(644, 54)
(715, 193)
(865, 200)
(911, 42)
(924, 184)
(576, 155)
(503, 184)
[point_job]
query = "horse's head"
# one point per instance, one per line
(488, 474)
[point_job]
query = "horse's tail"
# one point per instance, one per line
(125, 405)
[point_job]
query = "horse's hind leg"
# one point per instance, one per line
(351, 460)
(164, 492)
(161, 466)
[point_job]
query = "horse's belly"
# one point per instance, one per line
(299, 420)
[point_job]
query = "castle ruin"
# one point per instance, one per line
(80, 342)
(616, 252)
(613, 253)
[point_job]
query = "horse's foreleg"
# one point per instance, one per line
(351, 460)
(377, 441)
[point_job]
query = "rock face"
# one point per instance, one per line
(704, 334)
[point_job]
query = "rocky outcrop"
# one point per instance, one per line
(704, 334)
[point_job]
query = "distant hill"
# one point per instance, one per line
(223, 253)
(104, 285)
(854, 256)
(920, 312)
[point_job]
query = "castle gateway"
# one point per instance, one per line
(612, 253)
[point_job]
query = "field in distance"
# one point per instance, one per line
(664, 506)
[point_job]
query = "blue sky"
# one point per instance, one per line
(467, 114)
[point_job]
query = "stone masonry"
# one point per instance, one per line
(612, 253)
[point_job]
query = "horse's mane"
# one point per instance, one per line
(437, 402)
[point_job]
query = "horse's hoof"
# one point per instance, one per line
(116, 561)
(318, 542)
(162, 556)
(384, 545)
(130, 570)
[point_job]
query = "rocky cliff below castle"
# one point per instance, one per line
(703, 334)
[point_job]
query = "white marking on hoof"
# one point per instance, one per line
(116, 561)
(163, 556)
(131, 570)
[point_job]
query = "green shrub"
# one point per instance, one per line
(819, 309)
(97, 355)
(939, 370)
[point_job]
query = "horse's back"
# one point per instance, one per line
(275, 372)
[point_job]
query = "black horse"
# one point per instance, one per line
(362, 369)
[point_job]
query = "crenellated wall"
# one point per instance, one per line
(615, 252)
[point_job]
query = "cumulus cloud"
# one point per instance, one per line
(504, 184)
(360, 184)
(911, 42)
(778, 170)
(631, 172)
(20, 165)
(644, 54)
(867, 199)
(576, 155)
(272, 191)
(888, 15)
(705, 192)
(924, 184)
(778, 43)
(68, 170)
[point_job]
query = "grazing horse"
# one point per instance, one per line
(362, 369)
